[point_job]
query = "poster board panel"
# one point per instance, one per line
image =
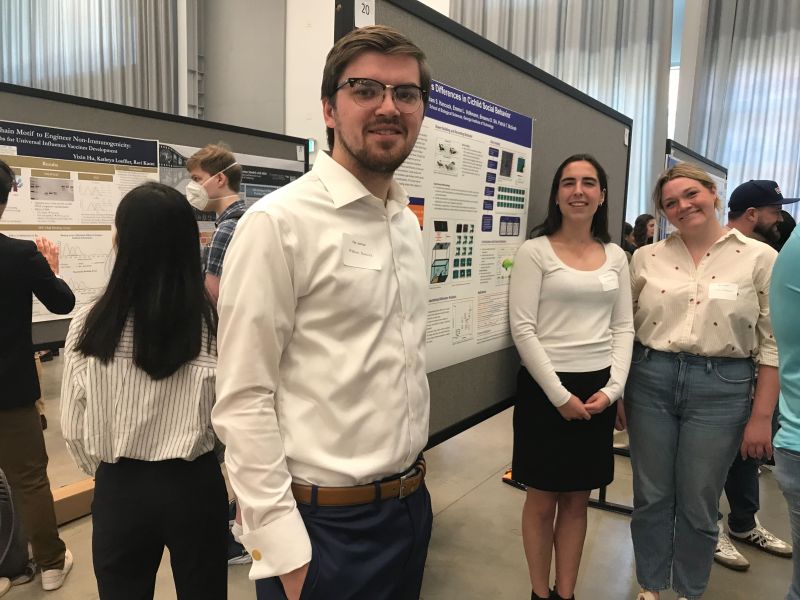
(50, 111)
(565, 122)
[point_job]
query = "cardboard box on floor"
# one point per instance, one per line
(73, 501)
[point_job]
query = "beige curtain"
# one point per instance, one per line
(746, 101)
(121, 51)
(616, 51)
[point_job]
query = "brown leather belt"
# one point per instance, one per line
(400, 487)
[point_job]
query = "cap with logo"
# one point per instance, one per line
(755, 194)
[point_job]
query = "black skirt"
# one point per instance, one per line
(556, 455)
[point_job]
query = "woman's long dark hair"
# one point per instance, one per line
(640, 236)
(553, 221)
(157, 280)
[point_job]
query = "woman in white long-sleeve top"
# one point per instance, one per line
(571, 319)
(136, 399)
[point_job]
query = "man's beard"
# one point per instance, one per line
(377, 163)
(771, 234)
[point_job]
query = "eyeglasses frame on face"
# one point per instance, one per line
(351, 81)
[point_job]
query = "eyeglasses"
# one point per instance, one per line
(370, 94)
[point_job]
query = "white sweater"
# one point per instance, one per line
(567, 320)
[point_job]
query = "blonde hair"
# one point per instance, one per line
(688, 171)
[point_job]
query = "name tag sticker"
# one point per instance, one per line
(609, 280)
(359, 252)
(723, 291)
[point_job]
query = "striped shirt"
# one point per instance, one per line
(115, 410)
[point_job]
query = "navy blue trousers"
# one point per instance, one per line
(374, 551)
(741, 488)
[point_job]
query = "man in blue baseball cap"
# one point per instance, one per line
(754, 209)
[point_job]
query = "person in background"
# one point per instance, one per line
(628, 242)
(785, 228)
(136, 399)
(323, 396)
(784, 298)
(571, 320)
(216, 177)
(701, 313)
(754, 208)
(644, 228)
(28, 268)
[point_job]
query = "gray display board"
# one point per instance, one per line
(26, 105)
(566, 122)
(684, 154)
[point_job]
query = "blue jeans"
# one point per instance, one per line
(787, 472)
(686, 415)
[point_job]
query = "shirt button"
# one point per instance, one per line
(256, 554)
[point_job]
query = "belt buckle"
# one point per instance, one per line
(403, 490)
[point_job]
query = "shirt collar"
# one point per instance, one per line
(238, 206)
(737, 235)
(732, 232)
(345, 188)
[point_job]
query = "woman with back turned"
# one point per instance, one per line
(570, 309)
(136, 399)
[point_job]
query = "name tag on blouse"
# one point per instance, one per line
(609, 281)
(359, 252)
(723, 291)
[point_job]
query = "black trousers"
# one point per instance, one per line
(370, 552)
(140, 507)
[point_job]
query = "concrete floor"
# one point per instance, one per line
(476, 549)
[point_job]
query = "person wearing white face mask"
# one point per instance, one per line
(216, 176)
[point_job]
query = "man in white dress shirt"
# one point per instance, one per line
(323, 399)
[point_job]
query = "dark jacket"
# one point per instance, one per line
(23, 271)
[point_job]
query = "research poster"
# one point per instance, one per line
(468, 179)
(69, 184)
(260, 176)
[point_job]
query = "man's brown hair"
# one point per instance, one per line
(212, 159)
(378, 38)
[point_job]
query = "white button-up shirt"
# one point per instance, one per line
(321, 375)
(719, 307)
